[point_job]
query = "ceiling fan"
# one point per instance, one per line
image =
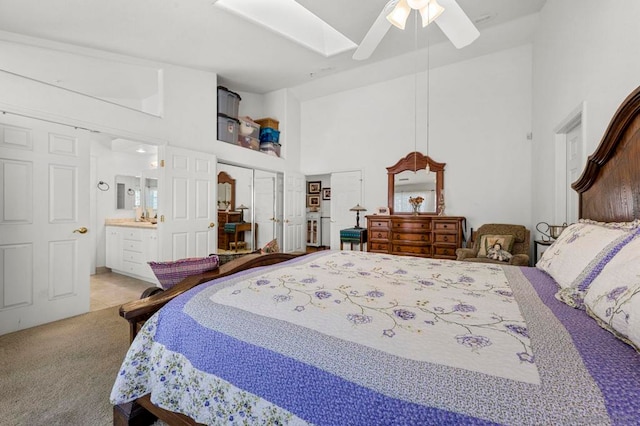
(447, 14)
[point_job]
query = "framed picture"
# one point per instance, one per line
(313, 201)
(313, 187)
(326, 193)
(382, 210)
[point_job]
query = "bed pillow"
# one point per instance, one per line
(228, 257)
(613, 297)
(488, 241)
(271, 247)
(577, 253)
(171, 273)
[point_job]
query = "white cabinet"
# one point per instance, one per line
(129, 249)
(314, 231)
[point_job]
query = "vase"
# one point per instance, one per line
(416, 208)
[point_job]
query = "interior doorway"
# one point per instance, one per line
(570, 160)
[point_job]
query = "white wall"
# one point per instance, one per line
(584, 51)
(480, 114)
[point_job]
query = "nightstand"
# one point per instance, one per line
(535, 249)
(353, 235)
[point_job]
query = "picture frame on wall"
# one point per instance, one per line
(326, 193)
(313, 187)
(313, 201)
(382, 210)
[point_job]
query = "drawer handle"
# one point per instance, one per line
(446, 238)
(379, 235)
(422, 237)
(446, 226)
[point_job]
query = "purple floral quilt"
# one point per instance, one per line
(355, 338)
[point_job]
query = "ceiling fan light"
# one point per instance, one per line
(430, 12)
(399, 14)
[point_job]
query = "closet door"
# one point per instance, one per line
(44, 211)
(295, 229)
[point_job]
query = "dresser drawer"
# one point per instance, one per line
(374, 246)
(132, 245)
(445, 225)
(423, 237)
(444, 252)
(132, 256)
(132, 234)
(412, 226)
(407, 249)
(377, 223)
(446, 238)
(379, 234)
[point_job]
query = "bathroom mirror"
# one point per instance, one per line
(150, 195)
(128, 195)
(226, 192)
(409, 178)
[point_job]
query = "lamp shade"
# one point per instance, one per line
(242, 207)
(430, 12)
(399, 14)
(357, 208)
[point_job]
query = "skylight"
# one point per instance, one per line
(293, 21)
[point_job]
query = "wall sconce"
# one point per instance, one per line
(357, 208)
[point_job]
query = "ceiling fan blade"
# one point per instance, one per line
(375, 33)
(456, 25)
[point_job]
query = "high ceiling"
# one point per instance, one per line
(246, 56)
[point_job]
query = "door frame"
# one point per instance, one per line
(578, 116)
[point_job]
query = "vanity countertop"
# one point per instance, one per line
(130, 223)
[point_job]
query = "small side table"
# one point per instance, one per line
(535, 248)
(353, 235)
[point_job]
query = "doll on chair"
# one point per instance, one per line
(497, 253)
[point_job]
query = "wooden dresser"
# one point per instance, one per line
(225, 238)
(423, 235)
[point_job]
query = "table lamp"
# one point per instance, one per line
(242, 208)
(357, 208)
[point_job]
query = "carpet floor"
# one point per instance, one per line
(61, 373)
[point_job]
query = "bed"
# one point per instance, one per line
(356, 338)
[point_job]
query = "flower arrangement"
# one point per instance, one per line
(415, 203)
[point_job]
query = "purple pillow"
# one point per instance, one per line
(171, 273)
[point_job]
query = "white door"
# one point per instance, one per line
(187, 204)
(574, 168)
(265, 206)
(346, 192)
(44, 200)
(294, 213)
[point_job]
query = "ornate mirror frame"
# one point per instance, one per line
(412, 162)
(223, 177)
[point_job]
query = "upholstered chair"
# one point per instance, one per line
(487, 235)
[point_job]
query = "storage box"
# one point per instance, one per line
(249, 128)
(228, 102)
(249, 142)
(268, 122)
(270, 148)
(228, 129)
(267, 134)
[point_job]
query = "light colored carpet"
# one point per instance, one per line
(61, 373)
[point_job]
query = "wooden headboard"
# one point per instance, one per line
(609, 187)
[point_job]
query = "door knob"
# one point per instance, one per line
(211, 225)
(81, 230)
(286, 221)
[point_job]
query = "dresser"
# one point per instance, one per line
(409, 235)
(224, 238)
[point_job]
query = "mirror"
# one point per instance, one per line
(409, 178)
(226, 192)
(150, 198)
(127, 192)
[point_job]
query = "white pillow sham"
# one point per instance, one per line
(613, 298)
(581, 247)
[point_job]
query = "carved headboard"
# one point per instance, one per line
(609, 187)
